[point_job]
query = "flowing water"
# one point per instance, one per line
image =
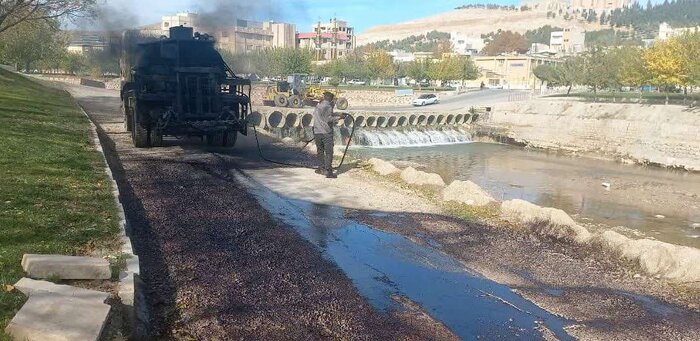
(642, 201)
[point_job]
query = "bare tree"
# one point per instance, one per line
(13, 12)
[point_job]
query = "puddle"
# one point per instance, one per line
(383, 264)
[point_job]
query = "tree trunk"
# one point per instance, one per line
(666, 97)
(568, 91)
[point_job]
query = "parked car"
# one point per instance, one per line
(425, 100)
(356, 82)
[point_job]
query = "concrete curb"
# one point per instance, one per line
(126, 285)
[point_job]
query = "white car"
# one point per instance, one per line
(426, 99)
(356, 82)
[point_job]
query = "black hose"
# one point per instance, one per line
(342, 160)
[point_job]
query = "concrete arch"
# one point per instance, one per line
(393, 121)
(431, 120)
(440, 119)
(275, 120)
(360, 121)
(291, 120)
(467, 119)
(257, 119)
(475, 117)
(306, 120)
(348, 122)
(372, 121)
(422, 119)
(402, 121)
(459, 118)
(413, 120)
(382, 122)
(450, 119)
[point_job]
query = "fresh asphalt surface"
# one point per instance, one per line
(217, 265)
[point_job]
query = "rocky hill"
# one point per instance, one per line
(471, 22)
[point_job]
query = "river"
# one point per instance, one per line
(640, 201)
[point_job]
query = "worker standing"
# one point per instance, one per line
(324, 120)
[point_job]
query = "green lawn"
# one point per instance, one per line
(54, 194)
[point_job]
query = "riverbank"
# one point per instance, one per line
(55, 197)
(575, 282)
(663, 135)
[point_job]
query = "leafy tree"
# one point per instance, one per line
(600, 69)
(418, 70)
(30, 42)
(546, 73)
(632, 70)
(15, 12)
(506, 42)
(293, 60)
(380, 64)
(569, 72)
(691, 51)
(666, 64)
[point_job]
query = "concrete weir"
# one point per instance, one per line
(272, 118)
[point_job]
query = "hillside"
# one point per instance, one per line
(471, 22)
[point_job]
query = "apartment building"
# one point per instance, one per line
(330, 40)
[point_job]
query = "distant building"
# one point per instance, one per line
(510, 72)
(466, 45)
(567, 42)
(87, 43)
(601, 5)
(666, 31)
(330, 40)
(402, 56)
(240, 35)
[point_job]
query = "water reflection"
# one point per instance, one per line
(637, 194)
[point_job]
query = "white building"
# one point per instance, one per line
(402, 56)
(666, 31)
(567, 42)
(466, 45)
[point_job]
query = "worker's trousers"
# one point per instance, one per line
(324, 150)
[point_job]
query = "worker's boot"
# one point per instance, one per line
(331, 175)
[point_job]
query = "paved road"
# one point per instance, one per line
(459, 102)
(220, 263)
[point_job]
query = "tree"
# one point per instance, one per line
(599, 69)
(380, 64)
(666, 64)
(541, 35)
(292, 60)
(30, 42)
(569, 72)
(418, 70)
(15, 12)
(448, 68)
(691, 43)
(506, 42)
(546, 73)
(633, 72)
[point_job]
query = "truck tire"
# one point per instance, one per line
(296, 102)
(281, 100)
(140, 132)
(128, 118)
(215, 139)
(155, 138)
(341, 103)
(230, 139)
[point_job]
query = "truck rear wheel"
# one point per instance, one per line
(230, 139)
(140, 132)
(281, 100)
(215, 139)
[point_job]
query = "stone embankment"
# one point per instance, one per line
(665, 135)
(659, 259)
(356, 98)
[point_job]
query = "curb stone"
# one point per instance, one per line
(126, 286)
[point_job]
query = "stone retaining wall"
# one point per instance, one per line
(666, 135)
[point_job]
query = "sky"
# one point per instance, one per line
(361, 14)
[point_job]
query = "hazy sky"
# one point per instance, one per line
(360, 13)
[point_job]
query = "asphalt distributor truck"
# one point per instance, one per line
(180, 86)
